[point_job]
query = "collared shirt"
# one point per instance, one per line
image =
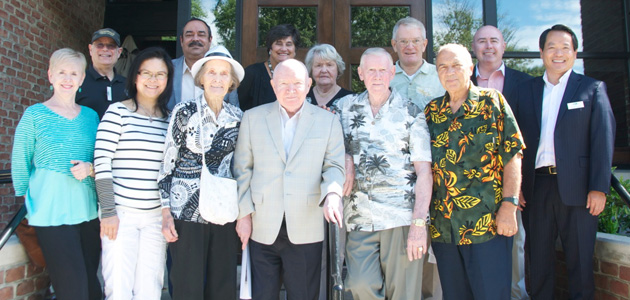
(384, 148)
(552, 98)
(289, 124)
(189, 89)
(98, 92)
(419, 88)
(469, 149)
(180, 171)
(495, 80)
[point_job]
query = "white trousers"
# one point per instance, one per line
(133, 264)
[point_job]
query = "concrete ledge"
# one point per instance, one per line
(12, 253)
(613, 248)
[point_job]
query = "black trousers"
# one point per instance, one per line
(298, 266)
(204, 261)
(72, 254)
(478, 271)
(545, 217)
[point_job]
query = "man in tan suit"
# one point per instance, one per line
(289, 160)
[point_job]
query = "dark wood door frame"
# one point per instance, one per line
(333, 27)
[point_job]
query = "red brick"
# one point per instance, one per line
(35, 297)
(25, 287)
(33, 270)
(609, 268)
(6, 292)
(42, 282)
(601, 281)
(15, 274)
(624, 273)
(619, 288)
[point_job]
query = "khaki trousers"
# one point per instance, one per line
(378, 267)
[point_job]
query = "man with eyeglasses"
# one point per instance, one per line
(415, 79)
(102, 85)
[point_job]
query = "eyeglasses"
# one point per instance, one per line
(404, 43)
(148, 75)
(109, 46)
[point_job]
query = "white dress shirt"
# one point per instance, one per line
(189, 89)
(552, 98)
(289, 124)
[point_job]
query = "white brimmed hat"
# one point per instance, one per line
(219, 52)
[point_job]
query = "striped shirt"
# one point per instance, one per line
(127, 156)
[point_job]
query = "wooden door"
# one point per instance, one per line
(334, 19)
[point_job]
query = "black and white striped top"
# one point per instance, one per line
(127, 156)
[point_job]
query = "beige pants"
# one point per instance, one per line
(378, 267)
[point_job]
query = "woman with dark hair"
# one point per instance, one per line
(51, 167)
(127, 157)
(255, 89)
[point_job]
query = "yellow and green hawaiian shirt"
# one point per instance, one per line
(468, 150)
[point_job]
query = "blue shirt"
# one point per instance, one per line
(44, 145)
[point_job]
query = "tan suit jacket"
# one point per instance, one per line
(272, 185)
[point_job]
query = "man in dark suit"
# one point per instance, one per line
(195, 39)
(489, 46)
(568, 127)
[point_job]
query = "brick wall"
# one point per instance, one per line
(23, 282)
(611, 267)
(30, 30)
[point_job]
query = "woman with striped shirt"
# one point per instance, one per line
(51, 167)
(128, 153)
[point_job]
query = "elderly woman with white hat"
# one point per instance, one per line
(204, 254)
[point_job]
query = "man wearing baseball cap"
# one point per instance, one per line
(102, 85)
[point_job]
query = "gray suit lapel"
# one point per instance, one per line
(304, 126)
(275, 129)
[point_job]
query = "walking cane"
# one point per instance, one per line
(335, 262)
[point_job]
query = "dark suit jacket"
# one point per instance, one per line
(510, 84)
(583, 137)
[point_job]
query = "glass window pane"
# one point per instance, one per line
(357, 85)
(615, 74)
(372, 26)
(222, 20)
(303, 18)
(455, 21)
(522, 22)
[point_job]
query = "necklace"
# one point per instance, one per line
(148, 113)
(270, 67)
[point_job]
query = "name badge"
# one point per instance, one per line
(575, 105)
(109, 93)
(231, 125)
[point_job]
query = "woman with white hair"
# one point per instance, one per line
(51, 167)
(325, 66)
(204, 254)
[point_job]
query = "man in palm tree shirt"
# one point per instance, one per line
(388, 185)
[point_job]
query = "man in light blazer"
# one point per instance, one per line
(289, 160)
(568, 128)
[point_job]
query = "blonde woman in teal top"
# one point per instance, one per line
(51, 166)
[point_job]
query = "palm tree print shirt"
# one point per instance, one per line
(469, 148)
(384, 148)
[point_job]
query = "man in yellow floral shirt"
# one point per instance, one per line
(476, 151)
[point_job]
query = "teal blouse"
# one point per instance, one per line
(44, 145)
